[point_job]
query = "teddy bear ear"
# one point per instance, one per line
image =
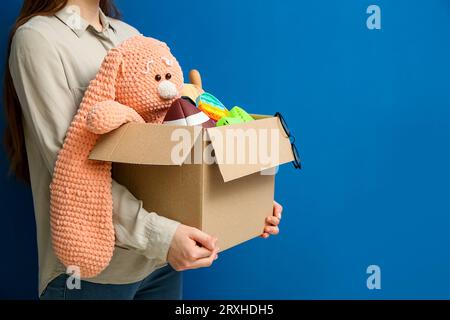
(104, 84)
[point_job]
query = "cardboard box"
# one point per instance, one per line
(169, 168)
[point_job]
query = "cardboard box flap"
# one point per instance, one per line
(244, 149)
(147, 144)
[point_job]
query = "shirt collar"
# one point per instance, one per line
(70, 16)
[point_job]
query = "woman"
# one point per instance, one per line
(56, 48)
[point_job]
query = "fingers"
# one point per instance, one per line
(204, 239)
(272, 220)
(277, 210)
(271, 227)
(271, 230)
(191, 249)
(205, 262)
(199, 259)
(201, 252)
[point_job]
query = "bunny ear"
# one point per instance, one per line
(103, 87)
(159, 43)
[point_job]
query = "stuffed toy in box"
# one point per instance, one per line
(138, 81)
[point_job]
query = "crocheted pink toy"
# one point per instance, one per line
(138, 81)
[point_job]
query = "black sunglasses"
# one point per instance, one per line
(296, 161)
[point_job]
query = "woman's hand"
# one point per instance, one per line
(191, 249)
(273, 221)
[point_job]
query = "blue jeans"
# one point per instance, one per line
(162, 284)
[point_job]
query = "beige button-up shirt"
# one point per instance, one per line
(52, 61)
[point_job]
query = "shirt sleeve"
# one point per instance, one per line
(48, 108)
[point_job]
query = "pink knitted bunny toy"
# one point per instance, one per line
(137, 81)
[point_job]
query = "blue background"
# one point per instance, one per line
(371, 112)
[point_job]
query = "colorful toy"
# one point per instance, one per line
(137, 81)
(236, 115)
(211, 106)
(183, 113)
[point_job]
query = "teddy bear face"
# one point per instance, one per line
(150, 78)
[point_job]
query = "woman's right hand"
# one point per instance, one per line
(191, 249)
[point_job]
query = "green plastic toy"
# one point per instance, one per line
(238, 112)
(226, 121)
(236, 115)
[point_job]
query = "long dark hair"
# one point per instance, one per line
(14, 136)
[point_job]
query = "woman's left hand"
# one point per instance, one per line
(273, 221)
